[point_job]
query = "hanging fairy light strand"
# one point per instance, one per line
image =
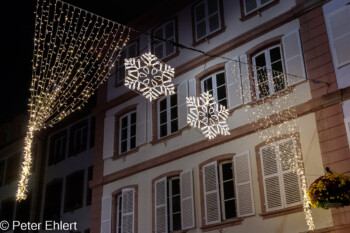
(74, 52)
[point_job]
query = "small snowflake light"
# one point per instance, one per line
(207, 115)
(149, 76)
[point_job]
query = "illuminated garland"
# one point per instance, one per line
(74, 52)
(207, 115)
(148, 76)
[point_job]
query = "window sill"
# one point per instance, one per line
(124, 154)
(281, 212)
(245, 17)
(168, 137)
(208, 37)
(228, 223)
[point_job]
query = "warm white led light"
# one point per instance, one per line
(207, 115)
(148, 76)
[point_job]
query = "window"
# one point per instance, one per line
(167, 115)
(127, 132)
(7, 210)
(253, 5)
(89, 190)
(78, 138)
(173, 202)
(124, 206)
(281, 185)
(58, 147)
(206, 18)
(227, 188)
(216, 85)
(2, 171)
(12, 169)
(268, 82)
(128, 52)
(23, 209)
(53, 197)
(74, 191)
(166, 31)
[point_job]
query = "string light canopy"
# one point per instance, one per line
(149, 76)
(207, 115)
(74, 51)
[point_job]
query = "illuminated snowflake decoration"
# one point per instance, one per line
(149, 76)
(207, 115)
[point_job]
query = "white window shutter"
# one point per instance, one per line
(128, 210)
(247, 95)
(234, 84)
(161, 210)
(149, 122)
(192, 89)
(338, 25)
(293, 57)
(182, 93)
(272, 187)
(347, 127)
(291, 181)
(106, 214)
(243, 183)
(187, 201)
(108, 137)
(211, 193)
(141, 115)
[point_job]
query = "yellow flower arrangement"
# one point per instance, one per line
(330, 190)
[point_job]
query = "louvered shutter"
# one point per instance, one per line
(245, 77)
(128, 210)
(234, 85)
(149, 122)
(161, 210)
(272, 188)
(108, 137)
(106, 214)
(182, 93)
(243, 183)
(187, 205)
(192, 89)
(292, 191)
(293, 57)
(338, 26)
(141, 115)
(211, 193)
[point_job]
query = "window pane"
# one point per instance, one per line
(250, 5)
(275, 54)
(176, 204)
(260, 60)
(228, 190)
(221, 93)
(227, 171)
(201, 30)
(262, 75)
(121, 74)
(175, 186)
(200, 12)
(163, 117)
(263, 90)
(169, 30)
(132, 142)
(123, 146)
(223, 102)
(124, 133)
(173, 100)
(214, 22)
(174, 126)
(173, 113)
(212, 6)
(163, 130)
(177, 222)
(230, 209)
(162, 104)
(169, 49)
(159, 51)
(208, 85)
(132, 50)
(124, 122)
(220, 79)
(133, 130)
(277, 66)
(133, 118)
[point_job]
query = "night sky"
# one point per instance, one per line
(17, 30)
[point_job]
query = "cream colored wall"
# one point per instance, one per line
(288, 223)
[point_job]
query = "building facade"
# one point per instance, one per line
(154, 173)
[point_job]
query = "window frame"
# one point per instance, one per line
(82, 126)
(268, 67)
(259, 6)
(67, 192)
(169, 119)
(128, 137)
(53, 159)
(163, 43)
(120, 64)
(221, 188)
(170, 203)
(214, 85)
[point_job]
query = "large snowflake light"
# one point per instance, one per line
(207, 115)
(149, 76)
